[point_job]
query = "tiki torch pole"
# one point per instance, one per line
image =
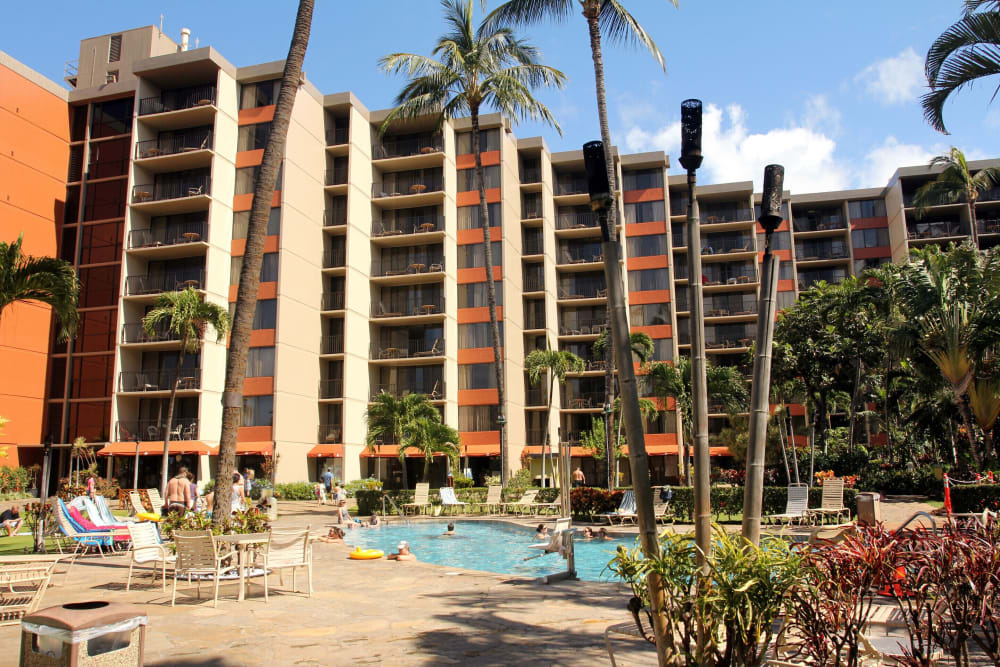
(770, 218)
(601, 200)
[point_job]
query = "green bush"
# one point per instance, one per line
(727, 501)
(975, 498)
(294, 491)
(15, 480)
(886, 479)
(354, 486)
(463, 482)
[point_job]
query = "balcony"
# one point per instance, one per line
(408, 266)
(580, 220)
(338, 136)
(195, 190)
(533, 284)
(591, 289)
(534, 244)
(331, 389)
(412, 188)
(332, 301)
(185, 144)
(530, 175)
(713, 213)
(332, 344)
(934, 229)
(335, 218)
(173, 235)
(336, 176)
(330, 433)
(135, 333)
(809, 278)
(184, 428)
(819, 221)
(728, 274)
(816, 251)
(334, 258)
(163, 380)
(536, 397)
(573, 184)
(410, 307)
(434, 390)
(535, 436)
(586, 400)
(583, 327)
(407, 349)
(989, 226)
(578, 252)
(178, 100)
(405, 226)
(722, 245)
(730, 307)
(418, 144)
(165, 282)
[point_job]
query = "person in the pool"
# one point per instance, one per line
(373, 522)
(402, 553)
(450, 532)
(587, 534)
(602, 534)
(335, 535)
(542, 532)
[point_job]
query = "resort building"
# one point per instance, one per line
(374, 277)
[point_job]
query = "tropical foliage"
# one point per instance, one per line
(44, 279)
(556, 364)
(956, 183)
(412, 422)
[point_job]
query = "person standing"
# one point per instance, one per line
(579, 479)
(328, 481)
(239, 501)
(179, 493)
(91, 486)
(248, 479)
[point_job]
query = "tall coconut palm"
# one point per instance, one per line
(475, 67)
(956, 183)
(44, 279)
(187, 316)
(967, 51)
(388, 417)
(430, 436)
(246, 294)
(556, 364)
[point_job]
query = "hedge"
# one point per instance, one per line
(727, 501)
(368, 499)
(975, 498)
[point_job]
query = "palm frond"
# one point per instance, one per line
(527, 12)
(44, 279)
(619, 26)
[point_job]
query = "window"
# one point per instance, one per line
(101, 243)
(489, 140)
(474, 255)
(866, 208)
(115, 49)
(649, 314)
(260, 362)
(268, 268)
(110, 118)
(245, 177)
(265, 314)
(646, 246)
(253, 137)
(468, 216)
(647, 279)
(663, 349)
(471, 336)
(643, 179)
(112, 76)
(649, 211)
(478, 417)
(785, 300)
(105, 200)
(467, 178)
(257, 411)
(779, 241)
(785, 271)
(870, 238)
(260, 94)
(473, 295)
(477, 376)
(241, 221)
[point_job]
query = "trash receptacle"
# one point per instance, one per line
(869, 509)
(84, 633)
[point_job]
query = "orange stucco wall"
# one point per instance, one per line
(34, 152)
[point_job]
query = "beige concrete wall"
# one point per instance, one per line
(450, 248)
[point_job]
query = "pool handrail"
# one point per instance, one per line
(395, 507)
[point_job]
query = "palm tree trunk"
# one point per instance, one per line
(812, 452)
(795, 451)
(852, 408)
(885, 408)
(972, 197)
(784, 451)
(246, 295)
(427, 469)
(548, 418)
(491, 296)
(963, 409)
(402, 462)
(164, 466)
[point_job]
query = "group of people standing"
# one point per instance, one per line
(182, 493)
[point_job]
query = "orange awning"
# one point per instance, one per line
(391, 451)
(152, 448)
(326, 452)
(480, 450)
(651, 450)
(260, 448)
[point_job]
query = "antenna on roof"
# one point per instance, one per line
(161, 25)
(196, 42)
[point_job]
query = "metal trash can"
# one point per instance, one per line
(84, 633)
(869, 509)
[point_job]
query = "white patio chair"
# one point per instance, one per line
(448, 498)
(796, 507)
(287, 550)
(148, 548)
(198, 555)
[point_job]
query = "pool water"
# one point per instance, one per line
(490, 546)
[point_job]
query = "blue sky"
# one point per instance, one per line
(827, 89)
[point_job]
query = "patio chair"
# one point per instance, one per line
(80, 537)
(420, 498)
(555, 505)
(448, 499)
(147, 547)
(107, 516)
(494, 498)
(135, 500)
(155, 500)
(95, 516)
(796, 507)
(833, 501)
(152, 432)
(523, 505)
(83, 524)
(198, 554)
(433, 352)
(287, 550)
(626, 510)
(661, 512)
(380, 311)
(22, 586)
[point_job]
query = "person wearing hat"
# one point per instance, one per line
(402, 552)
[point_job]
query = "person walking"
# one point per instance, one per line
(328, 480)
(91, 486)
(579, 479)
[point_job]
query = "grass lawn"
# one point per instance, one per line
(14, 546)
(936, 504)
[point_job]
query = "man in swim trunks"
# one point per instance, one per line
(402, 552)
(179, 493)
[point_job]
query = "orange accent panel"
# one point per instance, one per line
(479, 440)
(249, 158)
(660, 440)
(262, 338)
(655, 330)
(477, 355)
(796, 409)
(474, 315)
(649, 296)
(254, 433)
(258, 386)
(869, 253)
(156, 447)
(257, 448)
(783, 227)
(471, 197)
(651, 262)
(471, 236)
(390, 452)
(468, 161)
(245, 202)
(786, 285)
(645, 228)
(466, 276)
(649, 194)
(477, 397)
(783, 255)
(488, 449)
(671, 403)
(326, 452)
(264, 291)
(870, 223)
(239, 246)
(256, 115)
(497, 273)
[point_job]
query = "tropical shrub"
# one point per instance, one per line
(889, 479)
(251, 520)
(15, 480)
(975, 498)
(354, 486)
(294, 491)
(587, 501)
(463, 482)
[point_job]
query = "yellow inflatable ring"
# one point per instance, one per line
(147, 516)
(365, 554)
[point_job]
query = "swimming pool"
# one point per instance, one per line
(490, 546)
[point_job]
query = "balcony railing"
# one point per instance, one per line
(710, 214)
(580, 256)
(536, 396)
(806, 252)
(176, 100)
(576, 185)
(991, 226)
(570, 291)
(732, 277)
(412, 185)
(331, 388)
(531, 175)
(173, 145)
(531, 212)
(534, 245)
(728, 309)
(148, 192)
(190, 232)
(408, 266)
(723, 342)
(808, 279)
(534, 284)
(726, 244)
(420, 224)
(408, 307)
(165, 282)
(333, 344)
(577, 220)
(583, 327)
(332, 301)
(410, 349)
(582, 400)
(330, 433)
(820, 223)
(336, 176)
(993, 194)
(190, 378)
(334, 258)
(337, 136)
(434, 390)
(406, 146)
(184, 428)
(334, 218)
(534, 437)
(934, 229)
(134, 332)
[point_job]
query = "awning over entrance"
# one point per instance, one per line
(264, 448)
(480, 450)
(651, 450)
(326, 452)
(391, 452)
(152, 448)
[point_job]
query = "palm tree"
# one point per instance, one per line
(45, 279)
(955, 183)
(246, 294)
(964, 53)
(640, 342)
(430, 436)
(556, 364)
(476, 67)
(187, 316)
(389, 417)
(726, 386)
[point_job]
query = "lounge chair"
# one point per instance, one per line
(626, 510)
(494, 498)
(433, 352)
(81, 523)
(555, 505)
(420, 498)
(661, 511)
(198, 554)
(95, 516)
(155, 500)
(80, 537)
(22, 586)
(523, 505)
(287, 550)
(796, 507)
(833, 501)
(147, 547)
(105, 511)
(448, 498)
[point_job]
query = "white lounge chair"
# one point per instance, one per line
(94, 514)
(626, 510)
(555, 505)
(420, 498)
(156, 500)
(147, 547)
(493, 499)
(833, 501)
(106, 514)
(22, 586)
(796, 507)
(523, 505)
(448, 498)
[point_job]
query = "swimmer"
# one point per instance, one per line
(602, 534)
(542, 532)
(587, 534)
(335, 535)
(450, 532)
(402, 552)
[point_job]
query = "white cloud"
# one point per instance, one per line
(894, 80)
(882, 161)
